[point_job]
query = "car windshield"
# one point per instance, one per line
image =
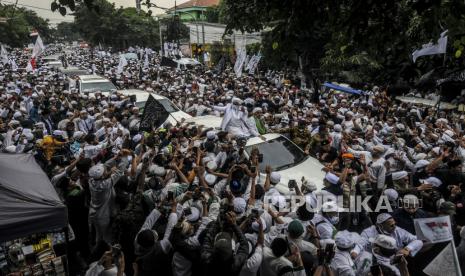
(98, 86)
(279, 153)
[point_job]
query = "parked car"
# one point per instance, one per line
(280, 153)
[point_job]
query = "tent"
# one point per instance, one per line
(28, 201)
(343, 88)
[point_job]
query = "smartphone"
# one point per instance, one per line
(253, 169)
(291, 184)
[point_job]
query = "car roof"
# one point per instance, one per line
(207, 120)
(92, 78)
(257, 140)
(187, 61)
(141, 95)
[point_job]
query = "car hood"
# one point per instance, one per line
(310, 169)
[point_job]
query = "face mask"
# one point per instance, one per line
(334, 220)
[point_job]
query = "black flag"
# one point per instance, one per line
(220, 66)
(154, 115)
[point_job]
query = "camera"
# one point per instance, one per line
(291, 184)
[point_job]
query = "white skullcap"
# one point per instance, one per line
(399, 175)
(97, 171)
(436, 182)
(382, 218)
(421, 164)
(256, 226)
(332, 178)
(239, 205)
(275, 177)
(211, 135)
(344, 239)
(210, 179)
(337, 128)
(137, 138)
(386, 242)
(17, 114)
(212, 165)
(194, 216)
(391, 194)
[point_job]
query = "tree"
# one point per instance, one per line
(15, 32)
(66, 31)
(115, 27)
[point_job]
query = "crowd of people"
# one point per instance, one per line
(187, 200)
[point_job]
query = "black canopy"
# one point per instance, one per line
(28, 201)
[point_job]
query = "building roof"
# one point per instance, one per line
(197, 3)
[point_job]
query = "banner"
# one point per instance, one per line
(455, 77)
(220, 66)
(4, 55)
(38, 47)
(122, 63)
(434, 230)
(432, 49)
(154, 115)
(241, 56)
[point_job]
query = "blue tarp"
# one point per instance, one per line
(343, 89)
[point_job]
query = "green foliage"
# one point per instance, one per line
(15, 32)
(115, 27)
(66, 31)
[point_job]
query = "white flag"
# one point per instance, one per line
(146, 61)
(14, 66)
(29, 67)
(255, 64)
(122, 63)
(241, 56)
(432, 49)
(443, 264)
(4, 55)
(38, 47)
(434, 230)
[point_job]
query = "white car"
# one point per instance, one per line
(186, 63)
(280, 153)
(94, 83)
(141, 97)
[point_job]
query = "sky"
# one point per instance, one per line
(42, 7)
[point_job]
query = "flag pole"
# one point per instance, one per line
(440, 88)
(456, 258)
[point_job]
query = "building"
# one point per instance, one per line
(193, 10)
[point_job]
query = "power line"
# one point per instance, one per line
(28, 6)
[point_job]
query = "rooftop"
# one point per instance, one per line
(197, 3)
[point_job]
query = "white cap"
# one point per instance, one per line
(194, 216)
(399, 175)
(344, 239)
(210, 179)
(137, 138)
(97, 171)
(382, 218)
(78, 134)
(391, 194)
(337, 128)
(385, 242)
(421, 163)
(332, 178)
(436, 182)
(275, 177)
(239, 205)
(211, 135)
